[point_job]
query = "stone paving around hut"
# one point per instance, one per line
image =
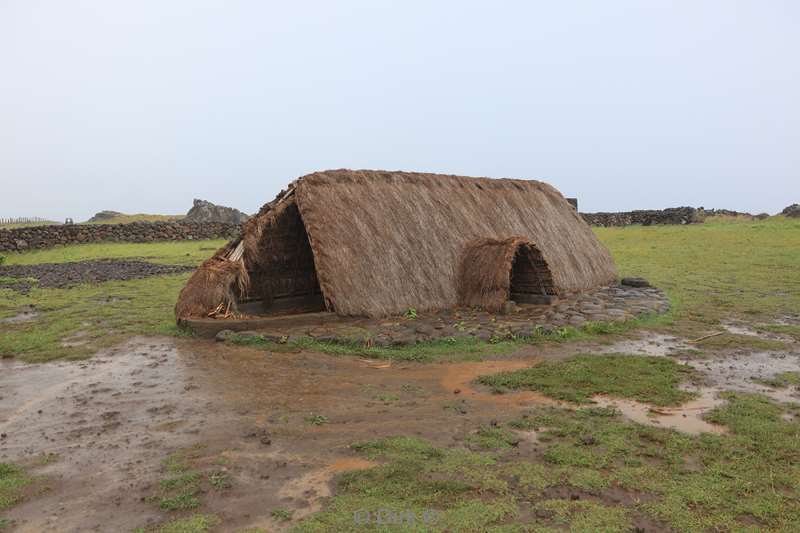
(617, 303)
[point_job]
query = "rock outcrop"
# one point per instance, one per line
(105, 215)
(793, 211)
(203, 211)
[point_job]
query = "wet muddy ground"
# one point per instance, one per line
(279, 424)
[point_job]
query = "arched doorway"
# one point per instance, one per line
(282, 276)
(531, 281)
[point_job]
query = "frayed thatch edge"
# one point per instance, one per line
(221, 280)
(214, 285)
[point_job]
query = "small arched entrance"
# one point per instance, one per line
(531, 281)
(493, 271)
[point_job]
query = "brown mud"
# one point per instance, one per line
(686, 418)
(109, 422)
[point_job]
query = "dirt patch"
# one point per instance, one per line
(24, 314)
(61, 275)
(459, 378)
(743, 372)
(113, 419)
(653, 344)
(312, 488)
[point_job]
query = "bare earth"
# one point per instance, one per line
(113, 419)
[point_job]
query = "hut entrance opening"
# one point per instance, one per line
(531, 281)
(283, 280)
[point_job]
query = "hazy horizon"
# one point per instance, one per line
(141, 107)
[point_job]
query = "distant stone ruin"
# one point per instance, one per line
(106, 215)
(793, 211)
(203, 211)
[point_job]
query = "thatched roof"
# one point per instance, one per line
(384, 242)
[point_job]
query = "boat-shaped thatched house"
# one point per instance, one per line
(377, 243)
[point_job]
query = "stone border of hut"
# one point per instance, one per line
(618, 303)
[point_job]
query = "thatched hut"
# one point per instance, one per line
(377, 243)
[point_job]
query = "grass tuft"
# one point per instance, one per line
(647, 379)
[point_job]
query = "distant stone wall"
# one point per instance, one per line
(677, 215)
(674, 215)
(21, 239)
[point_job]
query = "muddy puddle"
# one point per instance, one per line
(112, 420)
(24, 314)
(281, 424)
(739, 328)
(739, 370)
(314, 487)
(98, 418)
(686, 418)
(459, 379)
(653, 344)
(742, 372)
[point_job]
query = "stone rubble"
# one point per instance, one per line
(617, 303)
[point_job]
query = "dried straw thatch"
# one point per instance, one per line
(377, 243)
(485, 271)
(216, 283)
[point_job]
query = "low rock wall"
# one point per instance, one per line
(21, 239)
(650, 217)
(677, 215)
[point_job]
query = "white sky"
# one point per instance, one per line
(142, 106)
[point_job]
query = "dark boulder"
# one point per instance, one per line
(203, 211)
(793, 211)
(106, 215)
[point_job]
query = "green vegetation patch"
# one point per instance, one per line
(492, 438)
(421, 488)
(440, 350)
(792, 330)
(73, 323)
(448, 349)
(16, 485)
(129, 219)
(284, 515)
(782, 380)
(714, 270)
(167, 252)
(653, 380)
(585, 516)
(183, 484)
(736, 341)
(592, 470)
(13, 483)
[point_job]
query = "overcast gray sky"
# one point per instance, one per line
(140, 106)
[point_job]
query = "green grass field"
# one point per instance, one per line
(29, 224)
(721, 269)
(595, 472)
(712, 271)
(127, 219)
(75, 322)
